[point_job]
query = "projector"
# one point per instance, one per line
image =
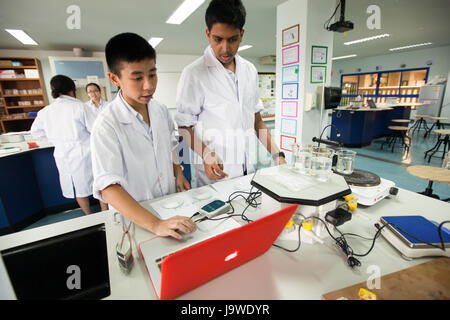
(341, 26)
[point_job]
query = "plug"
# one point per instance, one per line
(338, 217)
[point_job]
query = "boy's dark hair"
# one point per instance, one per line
(127, 47)
(61, 84)
(93, 84)
(231, 12)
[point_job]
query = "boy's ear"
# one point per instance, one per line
(114, 79)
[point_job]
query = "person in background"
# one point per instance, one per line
(133, 141)
(218, 105)
(96, 103)
(66, 123)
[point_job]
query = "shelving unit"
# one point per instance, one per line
(402, 85)
(21, 93)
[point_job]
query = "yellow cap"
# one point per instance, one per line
(307, 224)
(352, 205)
(349, 197)
(289, 224)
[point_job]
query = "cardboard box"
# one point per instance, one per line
(31, 73)
(5, 63)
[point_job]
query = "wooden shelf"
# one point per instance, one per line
(19, 79)
(23, 123)
(27, 106)
(18, 67)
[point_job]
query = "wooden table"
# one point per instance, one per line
(432, 174)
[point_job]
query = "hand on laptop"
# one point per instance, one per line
(170, 227)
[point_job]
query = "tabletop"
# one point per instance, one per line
(430, 173)
(308, 273)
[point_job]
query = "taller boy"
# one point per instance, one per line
(218, 103)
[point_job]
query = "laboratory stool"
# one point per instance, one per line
(437, 123)
(432, 174)
(402, 121)
(445, 140)
(420, 122)
(398, 133)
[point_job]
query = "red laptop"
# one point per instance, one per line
(215, 248)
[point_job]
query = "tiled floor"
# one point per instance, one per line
(388, 165)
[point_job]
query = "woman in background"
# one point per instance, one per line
(96, 103)
(67, 123)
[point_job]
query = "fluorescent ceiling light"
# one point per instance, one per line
(411, 46)
(22, 36)
(154, 41)
(184, 11)
(244, 47)
(367, 39)
(344, 57)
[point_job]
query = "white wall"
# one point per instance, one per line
(439, 57)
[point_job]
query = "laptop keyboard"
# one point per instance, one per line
(159, 262)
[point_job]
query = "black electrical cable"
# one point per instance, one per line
(326, 25)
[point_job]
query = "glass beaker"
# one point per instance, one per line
(345, 161)
(294, 148)
(321, 159)
(303, 159)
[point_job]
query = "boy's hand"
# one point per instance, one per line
(214, 167)
(170, 227)
(180, 181)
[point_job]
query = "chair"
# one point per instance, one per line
(432, 174)
(420, 122)
(397, 134)
(437, 123)
(445, 140)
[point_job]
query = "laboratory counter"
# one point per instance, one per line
(309, 273)
(29, 182)
(359, 126)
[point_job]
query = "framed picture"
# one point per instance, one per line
(289, 91)
(319, 55)
(291, 55)
(290, 73)
(318, 74)
(286, 142)
(289, 109)
(291, 35)
(289, 126)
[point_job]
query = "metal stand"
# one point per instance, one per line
(435, 149)
(419, 123)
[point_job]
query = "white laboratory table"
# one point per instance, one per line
(315, 269)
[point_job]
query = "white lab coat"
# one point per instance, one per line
(123, 151)
(66, 123)
(206, 99)
(96, 109)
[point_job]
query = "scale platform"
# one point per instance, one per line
(407, 233)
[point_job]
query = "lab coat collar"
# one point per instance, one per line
(63, 96)
(127, 114)
(212, 61)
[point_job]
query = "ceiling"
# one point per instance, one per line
(408, 22)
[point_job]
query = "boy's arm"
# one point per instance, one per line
(180, 181)
(264, 136)
(121, 200)
(212, 163)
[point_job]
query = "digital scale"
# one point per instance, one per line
(368, 188)
(402, 229)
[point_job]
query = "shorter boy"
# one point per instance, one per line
(133, 140)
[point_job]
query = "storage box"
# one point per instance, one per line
(5, 63)
(7, 74)
(31, 73)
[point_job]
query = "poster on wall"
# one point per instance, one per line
(289, 91)
(291, 55)
(318, 74)
(289, 126)
(319, 55)
(290, 74)
(291, 35)
(289, 109)
(286, 142)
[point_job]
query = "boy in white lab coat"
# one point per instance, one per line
(218, 107)
(133, 140)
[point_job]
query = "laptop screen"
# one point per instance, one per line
(73, 265)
